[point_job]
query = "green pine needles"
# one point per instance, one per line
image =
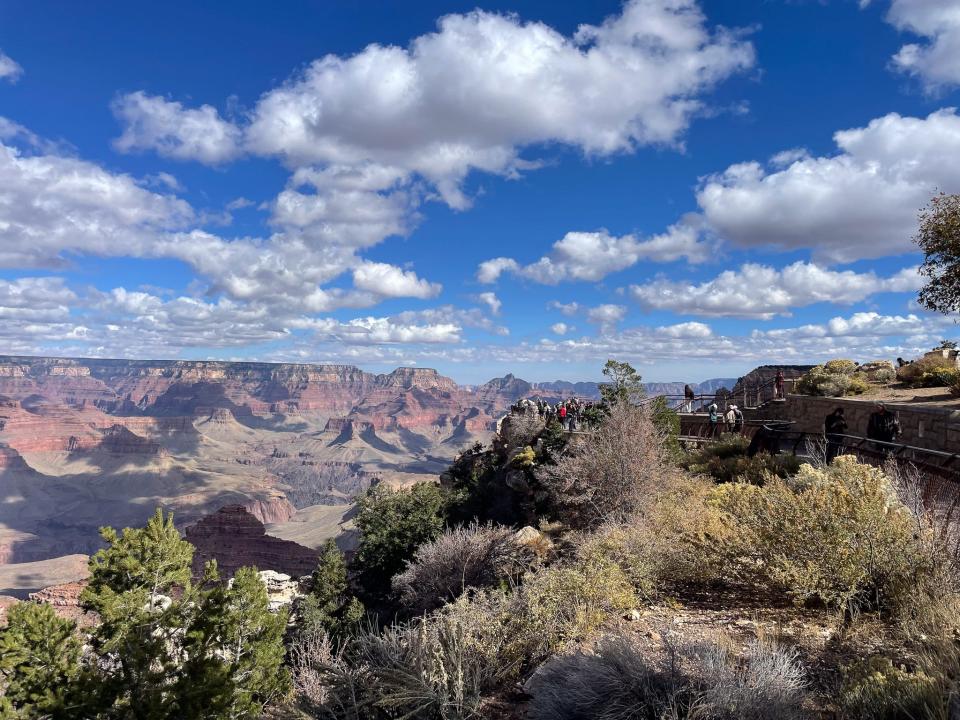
(164, 647)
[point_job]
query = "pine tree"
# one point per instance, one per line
(253, 643)
(132, 586)
(39, 665)
(169, 648)
(330, 606)
(625, 383)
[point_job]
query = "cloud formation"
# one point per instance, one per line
(10, 69)
(763, 292)
(860, 203)
(936, 61)
(642, 70)
(591, 256)
(153, 123)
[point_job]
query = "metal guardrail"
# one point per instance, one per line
(753, 396)
(777, 435)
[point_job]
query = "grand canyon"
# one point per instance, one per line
(86, 443)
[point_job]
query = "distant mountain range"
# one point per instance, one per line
(592, 389)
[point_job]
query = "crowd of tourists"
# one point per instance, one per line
(570, 413)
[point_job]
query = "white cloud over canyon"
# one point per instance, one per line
(762, 292)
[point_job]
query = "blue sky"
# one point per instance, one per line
(527, 187)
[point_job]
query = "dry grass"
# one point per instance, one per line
(617, 681)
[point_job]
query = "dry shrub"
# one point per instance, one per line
(610, 475)
(618, 682)
(439, 667)
(315, 659)
(632, 547)
(836, 534)
(835, 378)
(931, 607)
(933, 371)
(769, 683)
(464, 557)
(877, 689)
(685, 529)
(879, 371)
(564, 604)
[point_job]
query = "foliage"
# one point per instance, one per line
(932, 371)
(39, 664)
(438, 667)
(938, 237)
(234, 659)
(566, 603)
(618, 682)
(838, 535)
(524, 458)
(132, 582)
(392, 525)
(465, 557)
(876, 689)
(947, 345)
(167, 648)
(611, 474)
(879, 371)
(625, 384)
(835, 378)
(330, 607)
(726, 460)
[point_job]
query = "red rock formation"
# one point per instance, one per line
(414, 396)
(65, 600)
(235, 538)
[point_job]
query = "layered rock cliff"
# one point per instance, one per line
(235, 538)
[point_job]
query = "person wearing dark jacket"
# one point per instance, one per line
(883, 426)
(834, 426)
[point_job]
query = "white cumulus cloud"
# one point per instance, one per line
(936, 60)
(154, 123)
(390, 281)
(860, 203)
(591, 256)
(760, 291)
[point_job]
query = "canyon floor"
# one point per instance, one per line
(84, 445)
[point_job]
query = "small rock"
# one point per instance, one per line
(634, 615)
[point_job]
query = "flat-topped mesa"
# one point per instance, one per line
(423, 378)
(235, 538)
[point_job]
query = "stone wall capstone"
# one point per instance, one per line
(934, 428)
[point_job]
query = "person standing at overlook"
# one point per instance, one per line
(834, 426)
(883, 426)
(778, 383)
(688, 396)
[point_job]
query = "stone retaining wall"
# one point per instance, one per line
(935, 428)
